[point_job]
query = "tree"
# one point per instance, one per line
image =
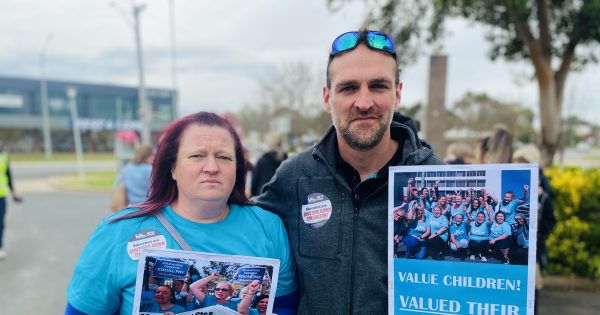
(291, 91)
(480, 112)
(555, 36)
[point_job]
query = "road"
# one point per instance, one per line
(45, 234)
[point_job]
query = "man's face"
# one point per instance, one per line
(508, 197)
(362, 97)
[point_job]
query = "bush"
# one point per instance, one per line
(574, 244)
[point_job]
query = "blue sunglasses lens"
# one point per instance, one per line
(380, 41)
(375, 40)
(344, 42)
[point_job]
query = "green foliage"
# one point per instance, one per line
(574, 245)
(481, 112)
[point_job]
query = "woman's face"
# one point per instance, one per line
(458, 219)
(520, 220)
(398, 214)
(480, 218)
(205, 168)
(262, 305)
(162, 295)
(458, 199)
(222, 290)
(475, 204)
(419, 212)
(442, 200)
(499, 217)
(437, 211)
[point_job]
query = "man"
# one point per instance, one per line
(509, 204)
(6, 186)
(333, 198)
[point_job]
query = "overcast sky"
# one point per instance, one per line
(225, 46)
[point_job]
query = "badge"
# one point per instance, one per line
(144, 239)
(317, 210)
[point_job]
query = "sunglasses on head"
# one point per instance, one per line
(374, 40)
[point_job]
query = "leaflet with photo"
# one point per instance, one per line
(194, 283)
(462, 239)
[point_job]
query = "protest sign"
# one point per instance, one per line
(194, 277)
(170, 269)
(461, 239)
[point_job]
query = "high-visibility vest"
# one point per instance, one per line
(3, 176)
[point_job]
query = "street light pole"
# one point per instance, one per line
(175, 96)
(72, 95)
(145, 111)
(44, 101)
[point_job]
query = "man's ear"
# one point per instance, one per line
(398, 96)
(327, 98)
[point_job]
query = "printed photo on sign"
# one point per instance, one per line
(184, 282)
(462, 239)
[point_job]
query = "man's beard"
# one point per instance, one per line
(355, 141)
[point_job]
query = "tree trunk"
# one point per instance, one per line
(549, 118)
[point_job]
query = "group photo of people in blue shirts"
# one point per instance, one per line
(460, 223)
(182, 285)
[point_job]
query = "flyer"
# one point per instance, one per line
(462, 239)
(194, 283)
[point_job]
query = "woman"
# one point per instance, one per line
(459, 240)
(261, 304)
(500, 237)
(400, 226)
(458, 207)
(162, 302)
(136, 175)
(496, 148)
(223, 294)
(438, 226)
(418, 230)
(197, 186)
(479, 235)
(444, 205)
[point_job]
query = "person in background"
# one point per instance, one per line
(417, 234)
(6, 186)
(459, 240)
(459, 153)
(345, 176)
(496, 148)
(261, 304)
(267, 164)
(400, 226)
(479, 235)
(437, 242)
(162, 303)
(136, 174)
(529, 153)
(500, 233)
(224, 292)
(197, 194)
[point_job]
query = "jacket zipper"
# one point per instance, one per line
(352, 266)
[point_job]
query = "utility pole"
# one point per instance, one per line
(44, 101)
(72, 95)
(145, 112)
(175, 96)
